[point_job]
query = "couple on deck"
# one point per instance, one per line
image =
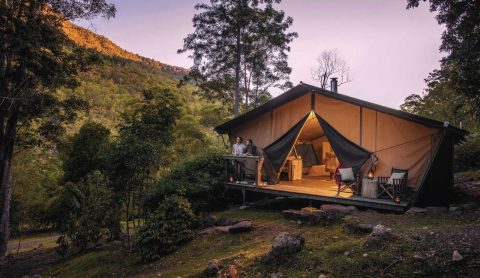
(243, 149)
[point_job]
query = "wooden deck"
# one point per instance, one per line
(320, 189)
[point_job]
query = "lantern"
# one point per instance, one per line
(370, 174)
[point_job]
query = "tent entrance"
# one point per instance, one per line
(311, 163)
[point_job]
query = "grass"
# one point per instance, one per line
(328, 250)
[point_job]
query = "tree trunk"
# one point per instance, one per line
(236, 97)
(5, 218)
(127, 215)
(6, 181)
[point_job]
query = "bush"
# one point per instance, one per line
(200, 180)
(87, 212)
(165, 229)
(467, 154)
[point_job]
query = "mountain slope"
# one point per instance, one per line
(103, 45)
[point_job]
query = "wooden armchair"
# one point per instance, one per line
(393, 186)
(347, 182)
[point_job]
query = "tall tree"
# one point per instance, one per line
(330, 64)
(35, 58)
(461, 42)
(143, 146)
(235, 41)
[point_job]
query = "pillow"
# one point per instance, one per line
(346, 174)
(395, 176)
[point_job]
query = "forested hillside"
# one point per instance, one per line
(110, 88)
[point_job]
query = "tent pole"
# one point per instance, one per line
(244, 195)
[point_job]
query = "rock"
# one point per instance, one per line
(469, 206)
(240, 227)
(416, 210)
(456, 257)
(436, 209)
(418, 257)
(286, 244)
(365, 228)
(207, 220)
(323, 276)
(354, 225)
(222, 221)
(337, 212)
(379, 234)
(243, 207)
(365, 255)
(215, 229)
(310, 215)
(454, 209)
(212, 268)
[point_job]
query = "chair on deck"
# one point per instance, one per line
(393, 186)
(346, 178)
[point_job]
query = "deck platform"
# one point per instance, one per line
(320, 189)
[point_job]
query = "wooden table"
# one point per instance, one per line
(369, 188)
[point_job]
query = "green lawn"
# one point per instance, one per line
(324, 252)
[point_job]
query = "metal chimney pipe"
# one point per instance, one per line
(334, 85)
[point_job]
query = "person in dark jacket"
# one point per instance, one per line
(250, 148)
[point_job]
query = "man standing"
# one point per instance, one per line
(238, 149)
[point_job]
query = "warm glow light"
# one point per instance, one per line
(370, 174)
(397, 199)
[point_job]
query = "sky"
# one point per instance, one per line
(389, 49)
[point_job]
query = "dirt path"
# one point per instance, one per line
(31, 243)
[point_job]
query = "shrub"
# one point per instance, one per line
(87, 212)
(165, 229)
(200, 180)
(467, 154)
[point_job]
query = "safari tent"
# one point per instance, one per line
(322, 129)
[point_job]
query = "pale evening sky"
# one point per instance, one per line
(389, 49)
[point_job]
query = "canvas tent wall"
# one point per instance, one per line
(398, 139)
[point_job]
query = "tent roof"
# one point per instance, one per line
(303, 89)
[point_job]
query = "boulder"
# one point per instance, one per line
(376, 239)
(212, 268)
(456, 257)
(416, 210)
(215, 229)
(436, 209)
(337, 212)
(240, 227)
(310, 215)
(354, 225)
(286, 244)
(223, 221)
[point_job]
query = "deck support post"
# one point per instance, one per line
(310, 203)
(244, 194)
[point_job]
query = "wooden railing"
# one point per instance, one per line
(243, 169)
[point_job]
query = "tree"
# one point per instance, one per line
(330, 64)
(143, 146)
(87, 212)
(461, 42)
(442, 102)
(239, 46)
(35, 59)
(85, 151)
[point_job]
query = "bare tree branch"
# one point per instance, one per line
(330, 64)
